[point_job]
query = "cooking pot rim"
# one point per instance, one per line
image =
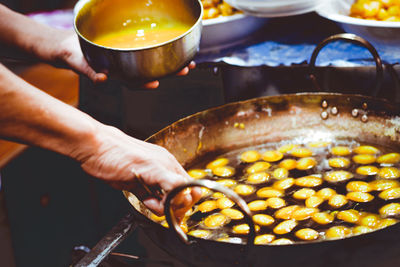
(82, 3)
(394, 106)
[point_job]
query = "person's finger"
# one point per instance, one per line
(189, 200)
(83, 67)
(152, 85)
(183, 199)
(183, 72)
(154, 205)
(196, 195)
(192, 65)
(186, 202)
(100, 78)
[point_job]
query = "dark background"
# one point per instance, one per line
(27, 6)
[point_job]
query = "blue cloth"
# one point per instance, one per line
(290, 41)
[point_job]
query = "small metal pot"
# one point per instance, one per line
(137, 64)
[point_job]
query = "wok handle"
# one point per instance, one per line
(353, 39)
(213, 186)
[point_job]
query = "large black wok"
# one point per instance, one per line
(272, 119)
(303, 117)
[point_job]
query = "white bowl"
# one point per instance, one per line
(275, 8)
(377, 32)
(224, 32)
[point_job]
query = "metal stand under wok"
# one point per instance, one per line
(110, 241)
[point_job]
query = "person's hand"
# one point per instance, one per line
(183, 72)
(61, 48)
(70, 53)
(65, 51)
(120, 160)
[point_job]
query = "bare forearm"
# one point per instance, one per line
(30, 116)
(28, 35)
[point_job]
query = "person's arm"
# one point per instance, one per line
(31, 116)
(55, 46)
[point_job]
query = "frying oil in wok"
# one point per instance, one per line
(299, 192)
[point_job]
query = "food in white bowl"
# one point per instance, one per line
(386, 33)
(384, 10)
(224, 26)
(217, 8)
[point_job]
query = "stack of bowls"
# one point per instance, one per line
(275, 8)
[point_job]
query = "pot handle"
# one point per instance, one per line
(213, 186)
(354, 39)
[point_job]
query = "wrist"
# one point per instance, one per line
(86, 140)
